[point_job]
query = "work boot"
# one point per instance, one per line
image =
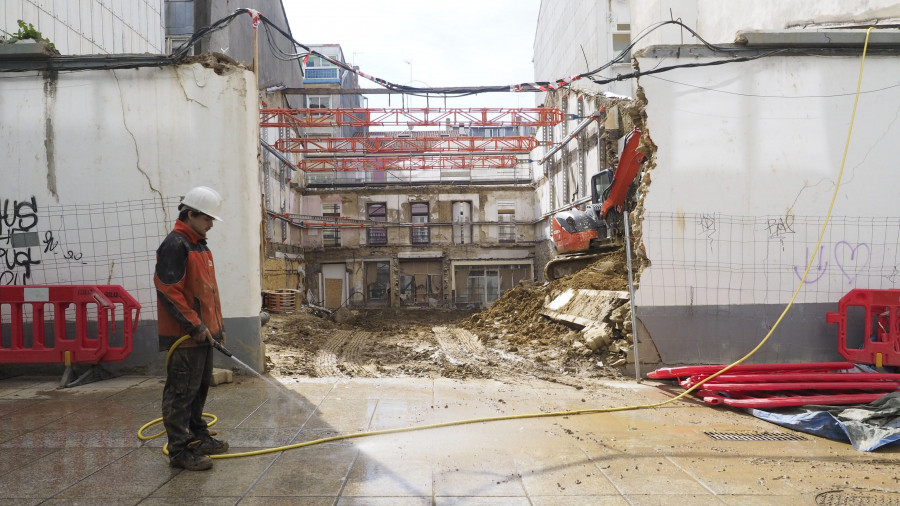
(190, 459)
(206, 444)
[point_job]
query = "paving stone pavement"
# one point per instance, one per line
(80, 446)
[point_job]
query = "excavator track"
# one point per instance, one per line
(563, 266)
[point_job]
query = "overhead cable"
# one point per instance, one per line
(107, 62)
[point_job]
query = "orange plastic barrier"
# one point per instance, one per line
(881, 342)
(27, 314)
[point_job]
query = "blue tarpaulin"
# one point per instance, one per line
(866, 426)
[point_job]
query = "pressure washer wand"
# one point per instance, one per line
(217, 345)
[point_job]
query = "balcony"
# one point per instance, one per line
(322, 75)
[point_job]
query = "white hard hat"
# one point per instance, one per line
(204, 199)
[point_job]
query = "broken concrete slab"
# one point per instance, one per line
(581, 307)
(221, 376)
(597, 335)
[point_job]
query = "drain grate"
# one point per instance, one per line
(754, 436)
(857, 498)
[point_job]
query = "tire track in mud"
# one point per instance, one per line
(326, 362)
(462, 346)
(455, 349)
(341, 355)
(351, 356)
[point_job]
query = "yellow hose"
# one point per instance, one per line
(140, 432)
(579, 411)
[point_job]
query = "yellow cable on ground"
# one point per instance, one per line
(581, 411)
(140, 432)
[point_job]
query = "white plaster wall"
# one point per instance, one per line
(718, 22)
(91, 26)
(106, 156)
(572, 37)
(747, 160)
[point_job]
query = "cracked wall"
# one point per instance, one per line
(94, 163)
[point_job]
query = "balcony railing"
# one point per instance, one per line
(377, 236)
(420, 234)
(322, 75)
(517, 175)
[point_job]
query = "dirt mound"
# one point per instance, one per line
(506, 341)
(517, 313)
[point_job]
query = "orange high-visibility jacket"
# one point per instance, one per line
(186, 289)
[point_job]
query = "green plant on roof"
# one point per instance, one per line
(27, 31)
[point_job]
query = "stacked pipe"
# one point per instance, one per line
(782, 385)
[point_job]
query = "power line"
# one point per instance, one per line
(106, 62)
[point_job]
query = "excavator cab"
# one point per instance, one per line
(600, 185)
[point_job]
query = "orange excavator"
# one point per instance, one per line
(579, 237)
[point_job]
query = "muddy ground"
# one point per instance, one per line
(509, 340)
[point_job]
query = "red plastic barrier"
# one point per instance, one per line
(881, 344)
(130, 312)
(101, 301)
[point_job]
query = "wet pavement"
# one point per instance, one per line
(80, 446)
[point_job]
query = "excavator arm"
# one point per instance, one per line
(626, 171)
(579, 236)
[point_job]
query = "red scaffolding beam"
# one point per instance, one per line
(419, 145)
(469, 117)
(407, 163)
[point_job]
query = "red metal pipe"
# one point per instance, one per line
(788, 377)
(690, 370)
(800, 385)
(451, 117)
(747, 401)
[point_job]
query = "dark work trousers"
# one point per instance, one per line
(189, 374)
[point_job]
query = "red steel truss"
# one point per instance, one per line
(407, 163)
(419, 145)
(480, 117)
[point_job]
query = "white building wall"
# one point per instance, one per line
(101, 159)
(718, 22)
(762, 143)
(573, 37)
(747, 157)
(91, 26)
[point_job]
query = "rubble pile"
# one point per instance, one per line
(591, 330)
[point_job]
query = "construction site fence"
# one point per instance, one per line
(66, 324)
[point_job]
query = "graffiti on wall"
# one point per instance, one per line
(21, 244)
(849, 259)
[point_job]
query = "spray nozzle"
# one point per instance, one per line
(217, 345)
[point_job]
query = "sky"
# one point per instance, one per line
(428, 43)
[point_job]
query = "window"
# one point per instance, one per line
(331, 237)
(378, 275)
(318, 101)
(377, 212)
(506, 215)
(174, 42)
(621, 39)
(317, 61)
(419, 214)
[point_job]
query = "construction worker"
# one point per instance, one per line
(188, 303)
